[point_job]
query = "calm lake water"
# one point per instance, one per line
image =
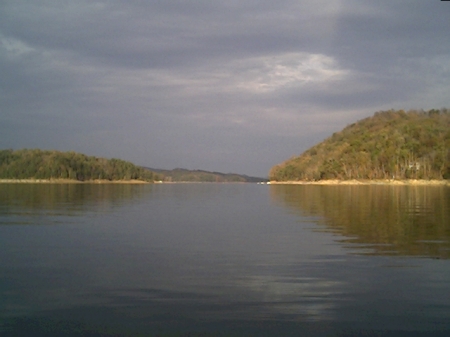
(224, 260)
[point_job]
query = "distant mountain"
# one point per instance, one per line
(388, 145)
(184, 175)
(41, 164)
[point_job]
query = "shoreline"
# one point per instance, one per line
(413, 182)
(70, 181)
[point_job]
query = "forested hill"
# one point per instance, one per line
(184, 175)
(389, 145)
(39, 164)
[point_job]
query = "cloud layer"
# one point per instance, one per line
(234, 87)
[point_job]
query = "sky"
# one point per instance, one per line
(230, 86)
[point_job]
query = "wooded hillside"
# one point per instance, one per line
(39, 164)
(184, 175)
(389, 145)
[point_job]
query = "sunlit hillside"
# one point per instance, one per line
(389, 145)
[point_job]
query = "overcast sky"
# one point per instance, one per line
(229, 86)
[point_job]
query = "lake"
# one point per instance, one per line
(224, 260)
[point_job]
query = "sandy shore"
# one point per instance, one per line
(70, 181)
(367, 182)
(319, 182)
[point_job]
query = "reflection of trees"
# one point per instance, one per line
(75, 197)
(397, 220)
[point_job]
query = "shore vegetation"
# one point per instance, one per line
(390, 145)
(42, 165)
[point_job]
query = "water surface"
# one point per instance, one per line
(224, 260)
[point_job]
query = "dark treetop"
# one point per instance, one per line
(39, 164)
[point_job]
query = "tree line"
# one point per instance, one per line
(389, 145)
(184, 175)
(41, 164)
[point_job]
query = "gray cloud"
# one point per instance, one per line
(236, 86)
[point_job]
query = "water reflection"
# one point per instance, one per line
(219, 260)
(24, 203)
(381, 220)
